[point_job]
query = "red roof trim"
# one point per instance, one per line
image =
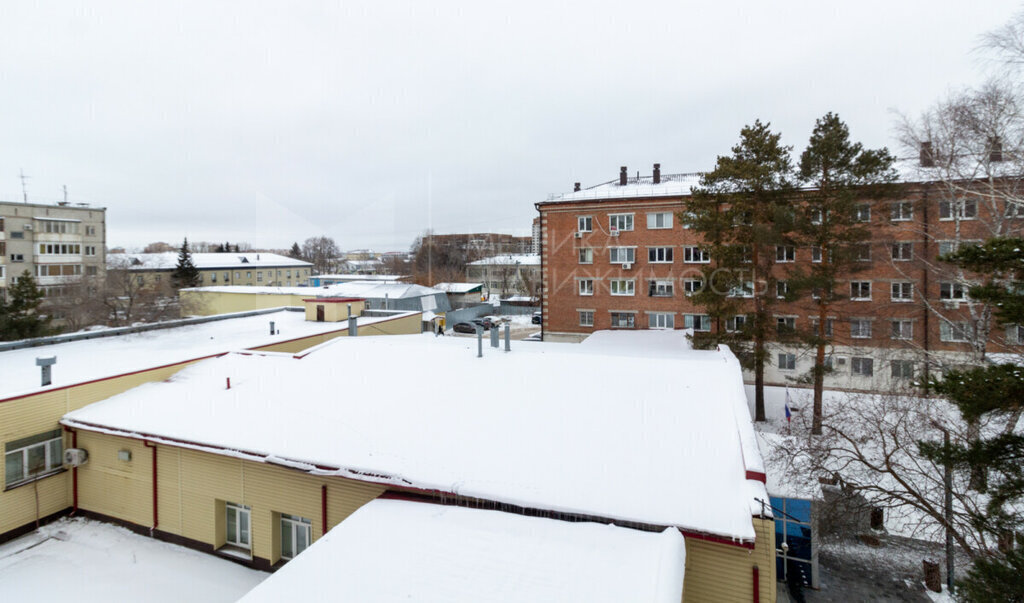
(334, 300)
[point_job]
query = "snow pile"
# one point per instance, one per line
(562, 427)
(392, 550)
(81, 560)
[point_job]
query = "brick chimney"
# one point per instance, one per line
(622, 176)
(657, 173)
(927, 157)
(576, 187)
(995, 149)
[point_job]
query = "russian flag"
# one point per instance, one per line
(789, 415)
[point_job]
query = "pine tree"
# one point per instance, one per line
(19, 316)
(744, 210)
(185, 273)
(296, 251)
(841, 175)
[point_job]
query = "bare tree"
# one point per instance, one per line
(323, 252)
(130, 296)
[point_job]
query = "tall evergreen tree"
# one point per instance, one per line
(185, 273)
(19, 315)
(296, 251)
(744, 210)
(841, 175)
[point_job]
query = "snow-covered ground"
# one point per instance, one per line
(82, 560)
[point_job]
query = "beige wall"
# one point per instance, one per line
(721, 572)
(334, 311)
(209, 303)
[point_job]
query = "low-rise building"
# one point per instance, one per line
(217, 269)
(507, 275)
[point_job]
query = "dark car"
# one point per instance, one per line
(464, 327)
(536, 318)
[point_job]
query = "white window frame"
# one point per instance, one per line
(53, 457)
(693, 254)
(958, 331)
(785, 324)
(816, 254)
(786, 361)
(952, 291)
(898, 249)
(622, 287)
(692, 285)
(901, 291)
(235, 539)
(862, 212)
(735, 323)
(785, 254)
(584, 315)
(660, 255)
(661, 320)
(616, 318)
(862, 365)
(661, 288)
(830, 327)
(291, 527)
(859, 252)
(961, 207)
(620, 222)
(583, 224)
(901, 211)
(586, 286)
(902, 329)
(858, 286)
(860, 328)
(660, 216)
(586, 255)
(615, 255)
(898, 369)
(700, 323)
(781, 289)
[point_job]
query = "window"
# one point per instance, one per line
(1, 271)
(787, 362)
(17, 234)
(692, 285)
(17, 257)
(901, 211)
(954, 331)
(213, 277)
(860, 328)
(735, 323)
(586, 286)
(259, 276)
(1, 224)
(902, 292)
(862, 366)
(238, 275)
(622, 255)
(586, 255)
(860, 290)
(586, 318)
(583, 224)
(659, 220)
(139, 280)
(862, 213)
(295, 535)
(659, 255)
(815, 215)
(32, 457)
(90, 231)
(902, 252)
(902, 329)
(785, 253)
(785, 324)
(237, 526)
(90, 250)
(951, 291)
(248, 274)
(781, 289)
(816, 254)
(696, 255)
(902, 369)
(623, 320)
(966, 209)
(862, 252)
(1013, 210)
(622, 286)
(829, 327)
(3, 248)
(661, 320)
(1014, 333)
(661, 288)
(744, 289)
(620, 222)
(697, 322)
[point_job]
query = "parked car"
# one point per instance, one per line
(537, 317)
(464, 327)
(484, 322)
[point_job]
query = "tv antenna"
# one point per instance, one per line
(24, 188)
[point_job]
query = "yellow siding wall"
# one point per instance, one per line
(719, 572)
(333, 312)
(193, 487)
(407, 325)
(208, 303)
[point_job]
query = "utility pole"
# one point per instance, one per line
(65, 193)
(24, 189)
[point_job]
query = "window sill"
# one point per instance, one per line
(34, 479)
(230, 550)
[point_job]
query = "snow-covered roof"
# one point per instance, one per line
(509, 259)
(663, 440)
(671, 185)
(80, 361)
(363, 289)
(459, 287)
(203, 261)
(391, 551)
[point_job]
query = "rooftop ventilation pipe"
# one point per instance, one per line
(622, 176)
(657, 173)
(927, 155)
(45, 364)
(353, 328)
(576, 187)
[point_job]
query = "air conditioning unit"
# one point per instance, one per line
(951, 304)
(627, 266)
(27, 227)
(579, 235)
(75, 456)
(614, 233)
(840, 361)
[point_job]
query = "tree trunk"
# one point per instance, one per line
(759, 377)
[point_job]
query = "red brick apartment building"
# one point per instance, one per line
(615, 256)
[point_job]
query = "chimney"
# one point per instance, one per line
(995, 149)
(576, 187)
(657, 173)
(622, 176)
(927, 157)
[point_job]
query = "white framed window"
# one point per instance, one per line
(213, 277)
(622, 255)
(785, 253)
(248, 274)
(661, 320)
(692, 285)
(259, 276)
(90, 250)
(830, 324)
(902, 292)
(862, 366)
(1014, 334)
(623, 320)
(860, 290)
(901, 211)
(90, 231)
(787, 361)
(816, 254)
(902, 369)
(965, 209)
(17, 257)
(902, 328)
(622, 286)
(697, 322)
(735, 323)
(744, 289)
(1014, 210)
(586, 286)
(862, 252)
(586, 255)
(862, 213)
(661, 288)
(785, 324)
(659, 255)
(32, 457)
(238, 526)
(781, 289)
(659, 220)
(620, 222)
(586, 318)
(954, 331)
(949, 290)
(815, 215)
(693, 254)
(584, 224)
(902, 252)
(1, 271)
(296, 534)
(860, 328)
(238, 275)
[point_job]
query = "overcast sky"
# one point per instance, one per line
(270, 122)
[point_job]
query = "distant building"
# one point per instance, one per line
(481, 244)
(249, 269)
(504, 275)
(535, 237)
(462, 293)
